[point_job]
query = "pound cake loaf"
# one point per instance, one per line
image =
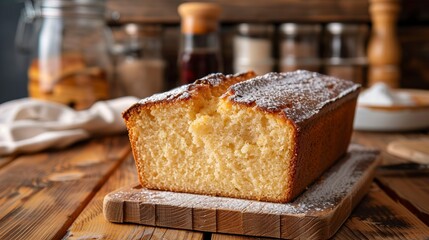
(266, 138)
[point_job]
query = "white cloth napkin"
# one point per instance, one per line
(29, 125)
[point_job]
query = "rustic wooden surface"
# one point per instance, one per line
(92, 224)
(214, 214)
(411, 189)
(58, 194)
(165, 11)
(5, 160)
(42, 194)
(415, 56)
(380, 217)
(376, 217)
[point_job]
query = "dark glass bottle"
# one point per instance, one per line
(199, 52)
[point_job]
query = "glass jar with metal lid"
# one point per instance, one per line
(253, 48)
(139, 62)
(70, 62)
(299, 47)
(344, 51)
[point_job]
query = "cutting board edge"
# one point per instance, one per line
(348, 203)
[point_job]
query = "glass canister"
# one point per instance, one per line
(199, 52)
(344, 51)
(253, 48)
(139, 63)
(70, 63)
(299, 47)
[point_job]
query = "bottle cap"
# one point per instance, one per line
(199, 18)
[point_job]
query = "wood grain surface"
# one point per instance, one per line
(91, 222)
(321, 209)
(232, 237)
(42, 194)
(165, 11)
(411, 189)
(376, 217)
(379, 217)
(4, 160)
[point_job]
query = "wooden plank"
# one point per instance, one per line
(165, 11)
(4, 160)
(173, 216)
(261, 222)
(42, 194)
(91, 221)
(317, 213)
(232, 237)
(379, 217)
(414, 42)
(204, 220)
(412, 190)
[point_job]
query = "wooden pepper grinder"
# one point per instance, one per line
(384, 50)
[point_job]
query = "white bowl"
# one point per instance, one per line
(395, 118)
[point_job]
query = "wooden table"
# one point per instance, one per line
(59, 193)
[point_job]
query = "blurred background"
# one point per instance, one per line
(145, 40)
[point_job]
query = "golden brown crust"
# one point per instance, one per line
(335, 120)
(321, 141)
(299, 95)
(186, 92)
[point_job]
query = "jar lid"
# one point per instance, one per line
(59, 8)
(340, 28)
(199, 17)
(299, 28)
(255, 29)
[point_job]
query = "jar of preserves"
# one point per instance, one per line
(70, 56)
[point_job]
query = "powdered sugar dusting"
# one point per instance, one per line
(299, 94)
(325, 194)
(337, 182)
(179, 93)
(185, 91)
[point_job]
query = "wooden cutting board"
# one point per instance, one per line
(316, 214)
(416, 150)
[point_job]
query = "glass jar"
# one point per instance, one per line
(70, 62)
(199, 52)
(139, 63)
(299, 47)
(344, 51)
(253, 48)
